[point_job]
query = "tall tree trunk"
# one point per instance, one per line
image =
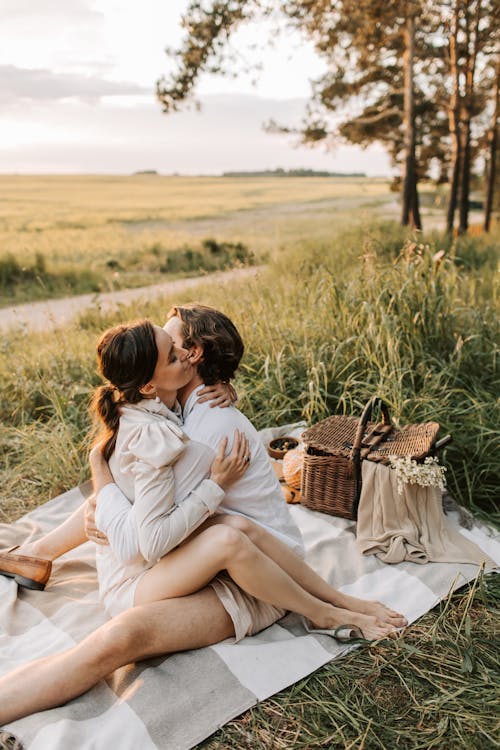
(454, 122)
(493, 142)
(472, 16)
(463, 207)
(410, 212)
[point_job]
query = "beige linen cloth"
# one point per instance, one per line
(411, 526)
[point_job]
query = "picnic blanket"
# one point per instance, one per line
(174, 702)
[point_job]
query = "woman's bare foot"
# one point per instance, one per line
(383, 613)
(371, 608)
(372, 627)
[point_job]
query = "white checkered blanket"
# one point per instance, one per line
(176, 701)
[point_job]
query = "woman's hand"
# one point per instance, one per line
(220, 394)
(92, 532)
(228, 469)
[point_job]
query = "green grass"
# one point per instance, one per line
(347, 307)
(436, 687)
(326, 327)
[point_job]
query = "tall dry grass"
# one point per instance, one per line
(326, 326)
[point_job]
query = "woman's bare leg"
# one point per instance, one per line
(140, 633)
(220, 547)
(65, 537)
(71, 533)
(304, 575)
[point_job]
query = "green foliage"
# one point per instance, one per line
(213, 256)
(36, 281)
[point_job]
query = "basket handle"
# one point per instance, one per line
(365, 418)
(356, 446)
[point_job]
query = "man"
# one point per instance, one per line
(212, 614)
(215, 350)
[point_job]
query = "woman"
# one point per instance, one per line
(143, 442)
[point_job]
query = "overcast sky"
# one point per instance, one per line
(77, 81)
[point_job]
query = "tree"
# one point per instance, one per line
(472, 30)
(410, 203)
(493, 154)
(415, 94)
(353, 36)
(454, 120)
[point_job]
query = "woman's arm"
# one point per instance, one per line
(160, 523)
(155, 524)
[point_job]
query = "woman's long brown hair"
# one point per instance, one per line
(127, 356)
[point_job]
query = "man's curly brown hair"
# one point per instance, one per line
(216, 334)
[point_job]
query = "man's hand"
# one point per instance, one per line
(220, 394)
(91, 530)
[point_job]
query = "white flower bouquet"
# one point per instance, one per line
(427, 474)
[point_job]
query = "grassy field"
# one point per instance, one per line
(69, 235)
(348, 305)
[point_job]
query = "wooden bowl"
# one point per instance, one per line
(279, 446)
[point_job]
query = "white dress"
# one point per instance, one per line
(156, 467)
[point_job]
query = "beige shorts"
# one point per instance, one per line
(249, 615)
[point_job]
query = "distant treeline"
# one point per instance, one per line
(293, 173)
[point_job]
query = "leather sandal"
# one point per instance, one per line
(27, 571)
(9, 742)
(342, 633)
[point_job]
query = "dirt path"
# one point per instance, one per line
(58, 312)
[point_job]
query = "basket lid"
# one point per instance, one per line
(336, 435)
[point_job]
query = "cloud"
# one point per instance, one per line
(19, 9)
(32, 84)
(125, 135)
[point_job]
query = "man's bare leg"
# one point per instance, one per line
(140, 633)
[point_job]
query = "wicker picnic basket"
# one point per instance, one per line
(335, 448)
